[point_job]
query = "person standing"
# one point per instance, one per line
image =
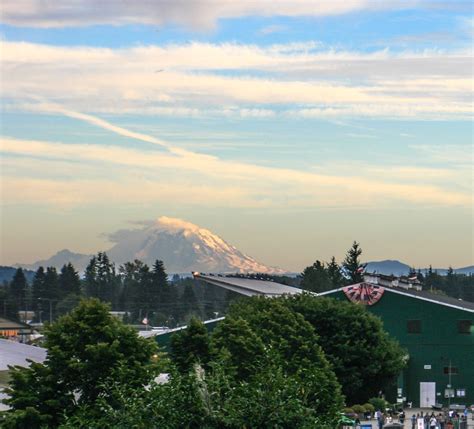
(433, 422)
(413, 422)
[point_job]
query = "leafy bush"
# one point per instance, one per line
(378, 403)
(359, 409)
(348, 410)
(369, 408)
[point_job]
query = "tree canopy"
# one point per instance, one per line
(364, 357)
(86, 349)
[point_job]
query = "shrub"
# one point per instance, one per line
(369, 408)
(378, 403)
(348, 411)
(359, 409)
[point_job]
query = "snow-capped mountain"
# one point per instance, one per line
(181, 245)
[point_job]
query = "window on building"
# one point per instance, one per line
(414, 326)
(461, 393)
(464, 326)
(450, 370)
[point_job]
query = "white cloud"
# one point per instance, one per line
(426, 84)
(198, 14)
(239, 184)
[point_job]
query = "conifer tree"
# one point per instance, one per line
(69, 281)
(18, 292)
(316, 278)
(101, 279)
(334, 272)
(352, 264)
(189, 303)
(38, 290)
(51, 293)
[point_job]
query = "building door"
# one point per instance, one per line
(427, 394)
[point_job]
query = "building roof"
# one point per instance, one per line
(13, 353)
(249, 287)
(425, 296)
(11, 324)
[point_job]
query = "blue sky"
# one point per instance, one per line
(291, 128)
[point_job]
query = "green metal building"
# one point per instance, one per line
(438, 333)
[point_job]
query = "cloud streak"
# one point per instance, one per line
(257, 185)
(197, 14)
(280, 80)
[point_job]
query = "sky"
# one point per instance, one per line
(289, 128)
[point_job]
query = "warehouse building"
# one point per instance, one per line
(438, 333)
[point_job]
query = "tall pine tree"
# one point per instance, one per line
(334, 273)
(39, 291)
(352, 264)
(69, 281)
(18, 292)
(316, 278)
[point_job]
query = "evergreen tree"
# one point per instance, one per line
(17, 293)
(352, 264)
(39, 291)
(101, 280)
(69, 281)
(189, 303)
(165, 292)
(132, 295)
(315, 278)
(334, 272)
(159, 284)
(92, 290)
(51, 293)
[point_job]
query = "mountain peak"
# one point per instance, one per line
(183, 247)
(173, 223)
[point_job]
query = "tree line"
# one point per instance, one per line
(283, 362)
(321, 277)
(141, 293)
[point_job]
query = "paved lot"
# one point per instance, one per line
(409, 412)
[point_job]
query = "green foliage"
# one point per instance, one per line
(189, 303)
(378, 404)
(100, 279)
(38, 290)
(315, 278)
(352, 263)
(190, 346)
(69, 281)
(369, 408)
(270, 399)
(364, 358)
(87, 349)
(359, 409)
(290, 343)
(17, 294)
(239, 346)
(334, 273)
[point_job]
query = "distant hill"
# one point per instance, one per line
(65, 256)
(398, 268)
(388, 267)
(7, 273)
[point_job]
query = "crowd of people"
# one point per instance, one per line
(442, 420)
